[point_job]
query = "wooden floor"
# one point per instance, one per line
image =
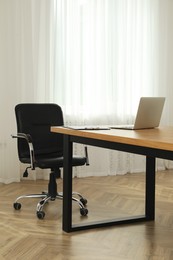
(24, 236)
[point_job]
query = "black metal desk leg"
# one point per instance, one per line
(67, 185)
(150, 188)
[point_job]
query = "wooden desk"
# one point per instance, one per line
(152, 143)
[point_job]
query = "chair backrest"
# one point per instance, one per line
(36, 120)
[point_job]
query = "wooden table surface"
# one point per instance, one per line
(159, 138)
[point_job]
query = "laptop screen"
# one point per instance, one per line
(149, 112)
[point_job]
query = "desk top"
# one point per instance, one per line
(159, 138)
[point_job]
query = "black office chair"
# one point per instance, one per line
(38, 147)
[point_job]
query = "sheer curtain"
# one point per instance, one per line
(105, 58)
(93, 57)
(108, 54)
(26, 70)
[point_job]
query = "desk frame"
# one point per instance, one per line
(151, 155)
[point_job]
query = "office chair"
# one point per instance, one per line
(38, 147)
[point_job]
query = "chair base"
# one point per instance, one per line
(45, 197)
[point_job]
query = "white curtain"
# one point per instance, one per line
(93, 57)
(25, 70)
(108, 54)
(104, 58)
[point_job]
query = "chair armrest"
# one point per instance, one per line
(86, 155)
(28, 139)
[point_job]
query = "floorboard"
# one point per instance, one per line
(24, 236)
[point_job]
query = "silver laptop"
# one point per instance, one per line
(148, 114)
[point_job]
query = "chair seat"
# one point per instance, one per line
(57, 162)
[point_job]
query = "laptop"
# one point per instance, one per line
(148, 114)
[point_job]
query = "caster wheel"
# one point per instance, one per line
(17, 206)
(84, 201)
(83, 211)
(40, 214)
